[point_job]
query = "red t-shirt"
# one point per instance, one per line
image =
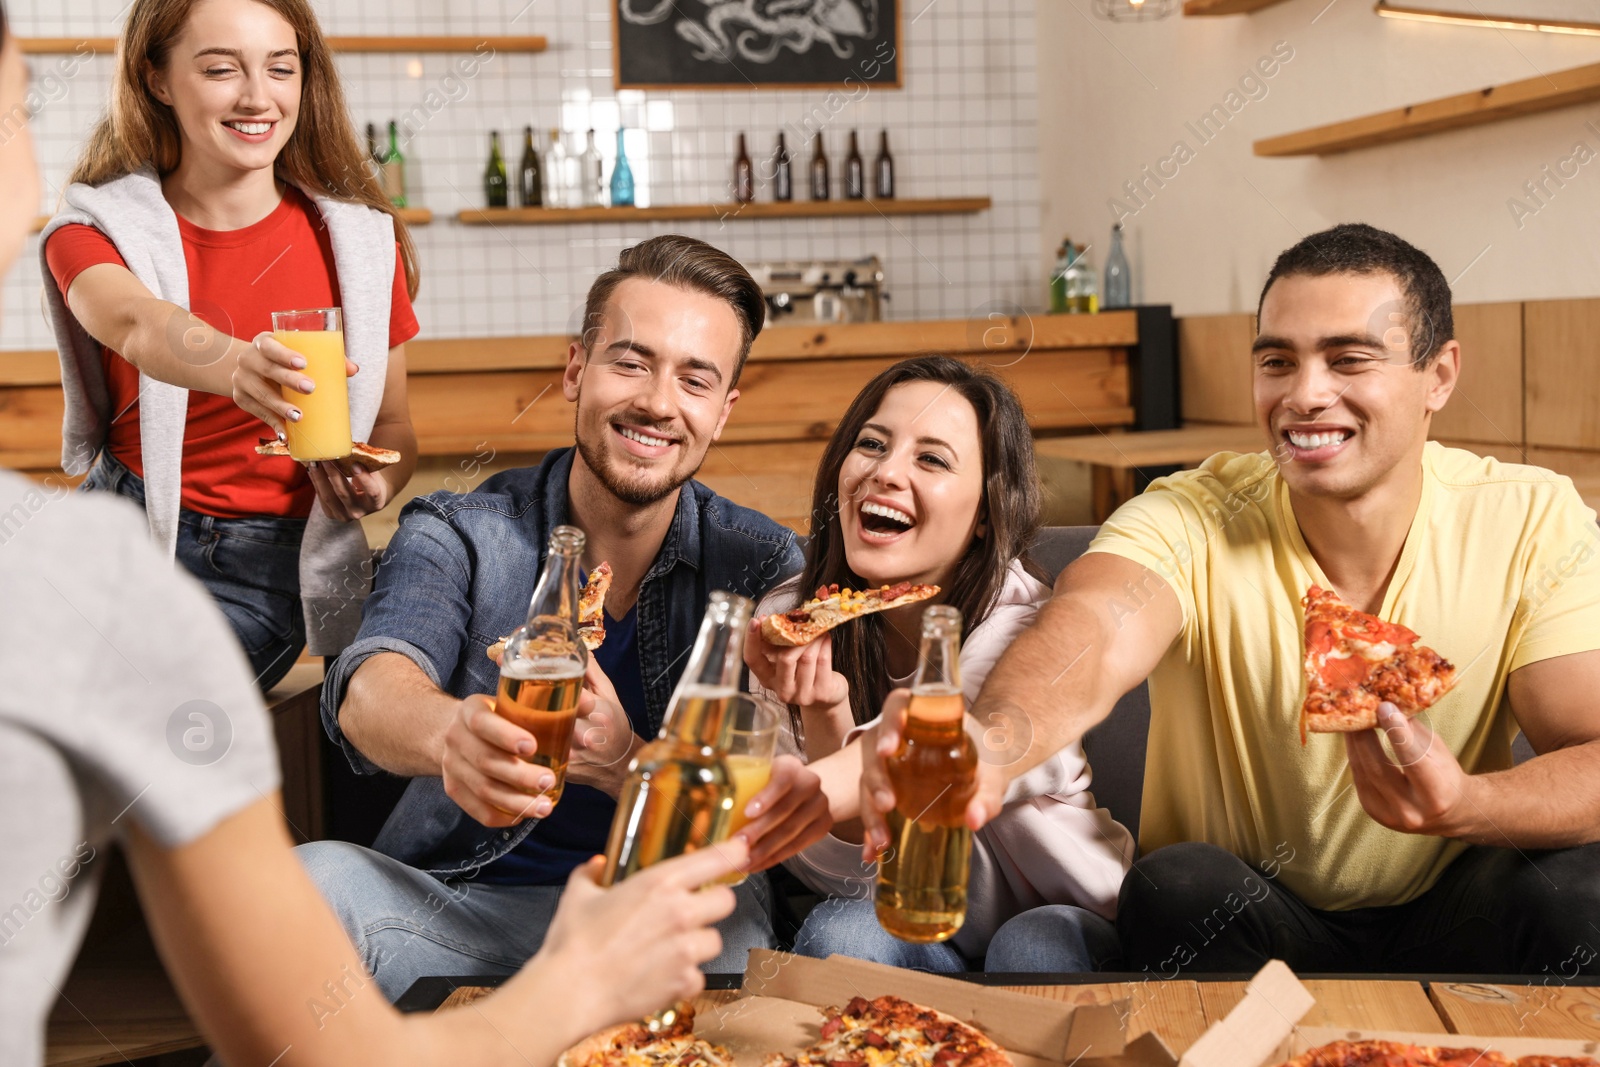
(237, 279)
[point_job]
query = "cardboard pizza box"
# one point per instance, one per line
(1264, 1029)
(779, 1011)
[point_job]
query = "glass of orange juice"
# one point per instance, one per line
(752, 743)
(323, 431)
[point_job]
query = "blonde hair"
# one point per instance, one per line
(323, 154)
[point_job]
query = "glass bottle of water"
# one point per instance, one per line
(590, 167)
(621, 175)
(1119, 276)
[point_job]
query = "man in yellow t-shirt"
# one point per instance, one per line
(1433, 853)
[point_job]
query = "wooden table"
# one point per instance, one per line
(1113, 457)
(117, 1005)
(1180, 1010)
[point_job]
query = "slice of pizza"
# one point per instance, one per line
(633, 1045)
(1375, 1053)
(833, 606)
(889, 1030)
(1355, 661)
(591, 613)
(368, 456)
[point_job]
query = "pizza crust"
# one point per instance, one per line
(591, 614)
(361, 454)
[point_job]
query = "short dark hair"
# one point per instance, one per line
(691, 264)
(1356, 248)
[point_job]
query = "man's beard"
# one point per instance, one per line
(600, 465)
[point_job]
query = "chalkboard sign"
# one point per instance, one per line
(756, 44)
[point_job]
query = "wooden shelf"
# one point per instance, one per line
(412, 216)
(1565, 88)
(797, 209)
(530, 43)
(1225, 7)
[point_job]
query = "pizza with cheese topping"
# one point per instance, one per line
(591, 614)
(1397, 1054)
(833, 606)
(1355, 661)
(888, 1030)
(633, 1045)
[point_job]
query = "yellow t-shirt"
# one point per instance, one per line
(1498, 571)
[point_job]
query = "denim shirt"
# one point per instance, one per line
(458, 576)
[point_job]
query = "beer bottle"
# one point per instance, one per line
(495, 185)
(541, 670)
(372, 146)
(530, 176)
(921, 891)
(744, 175)
(820, 179)
(782, 173)
(855, 172)
(885, 168)
(679, 793)
(393, 171)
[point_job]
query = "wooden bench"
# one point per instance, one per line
(117, 1004)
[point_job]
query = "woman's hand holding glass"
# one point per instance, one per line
(264, 369)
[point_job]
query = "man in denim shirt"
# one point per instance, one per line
(465, 876)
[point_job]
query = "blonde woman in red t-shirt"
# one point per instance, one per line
(231, 112)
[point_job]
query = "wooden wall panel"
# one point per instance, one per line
(1487, 403)
(1562, 353)
(1214, 367)
(30, 427)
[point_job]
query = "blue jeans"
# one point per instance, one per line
(1058, 938)
(406, 924)
(251, 568)
(1054, 939)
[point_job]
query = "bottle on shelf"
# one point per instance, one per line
(496, 187)
(744, 175)
(373, 150)
(591, 190)
(921, 890)
(392, 172)
(555, 172)
(1082, 285)
(530, 175)
(1119, 275)
(855, 172)
(820, 179)
(541, 670)
(884, 169)
(782, 173)
(678, 795)
(1058, 278)
(621, 175)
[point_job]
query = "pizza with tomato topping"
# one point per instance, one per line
(634, 1045)
(1397, 1054)
(833, 606)
(888, 1030)
(1355, 661)
(591, 613)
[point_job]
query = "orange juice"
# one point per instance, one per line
(323, 431)
(750, 775)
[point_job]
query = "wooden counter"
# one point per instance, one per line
(481, 404)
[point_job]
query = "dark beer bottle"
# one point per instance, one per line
(819, 170)
(783, 173)
(530, 176)
(885, 168)
(855, 172)
(744, 175)
(494, 175)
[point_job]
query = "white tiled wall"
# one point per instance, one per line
(963, 124)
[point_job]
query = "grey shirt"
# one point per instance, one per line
(123, 698)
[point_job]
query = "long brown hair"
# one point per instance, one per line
(323, 154)
(1009, 508)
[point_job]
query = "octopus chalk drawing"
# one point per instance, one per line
(757, 31)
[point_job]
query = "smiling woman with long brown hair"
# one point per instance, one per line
(929, 478)
(224, 183)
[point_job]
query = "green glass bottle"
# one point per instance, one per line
(393, 169)
(495, 184)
